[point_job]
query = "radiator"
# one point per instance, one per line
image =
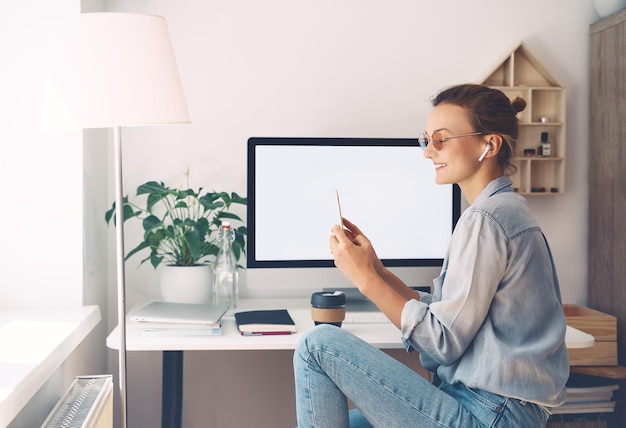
(88, 403)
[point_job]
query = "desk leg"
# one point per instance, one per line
(172, 393)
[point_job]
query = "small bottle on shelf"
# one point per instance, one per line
(225, 275)
(546, 146)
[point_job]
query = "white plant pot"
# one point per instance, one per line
(608, 7)
(186, 284)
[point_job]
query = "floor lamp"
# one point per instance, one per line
(111, 70)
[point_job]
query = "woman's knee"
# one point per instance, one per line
(323, 336)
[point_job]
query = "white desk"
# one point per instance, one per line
(384, 336)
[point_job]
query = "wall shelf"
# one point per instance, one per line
(521, 74)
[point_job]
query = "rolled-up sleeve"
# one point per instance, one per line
(413, 313)
(425, 297)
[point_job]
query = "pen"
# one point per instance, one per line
(265, 333)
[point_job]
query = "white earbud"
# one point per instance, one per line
(480, 159)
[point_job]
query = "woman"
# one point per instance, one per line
(492, 331)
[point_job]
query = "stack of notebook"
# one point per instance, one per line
(589, 398)
(179, 319)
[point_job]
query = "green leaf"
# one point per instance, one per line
(187, 193)
(138, 248)
(152, 188)
(203, 226)
(155, 260)
(211, 205)
(236, 249)
(211, 249)
(226, 214)
(170, 233)
(209, 197)
(153, 239)
(151, 222)
(238, 199)
(128, 212)
(194, 243)
(153, 199)
(226, 198)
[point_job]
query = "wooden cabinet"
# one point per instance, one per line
(607, 179)
(607, 171)
(520, 74)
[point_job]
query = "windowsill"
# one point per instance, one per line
(35, 342)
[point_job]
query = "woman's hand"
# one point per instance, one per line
(356, 259)
(354, 255)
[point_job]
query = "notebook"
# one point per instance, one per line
(179, 313)
(257, 323)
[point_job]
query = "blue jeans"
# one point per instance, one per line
(331, 365)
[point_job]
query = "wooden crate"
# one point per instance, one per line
(602, 327)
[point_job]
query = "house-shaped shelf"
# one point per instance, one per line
(520, 74)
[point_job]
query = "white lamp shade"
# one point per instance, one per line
(113, 69)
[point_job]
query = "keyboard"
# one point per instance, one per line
(367, 317)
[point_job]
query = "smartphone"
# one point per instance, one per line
(339, 208)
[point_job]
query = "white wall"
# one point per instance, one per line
(343, 68)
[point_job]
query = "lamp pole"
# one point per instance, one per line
(120, 269)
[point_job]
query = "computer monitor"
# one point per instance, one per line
(386, 187)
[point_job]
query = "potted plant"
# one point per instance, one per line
(180, 230)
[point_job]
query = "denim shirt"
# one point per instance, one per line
(494, 321)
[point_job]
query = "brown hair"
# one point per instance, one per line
(490, 111)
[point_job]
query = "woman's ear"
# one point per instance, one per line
(494, 144)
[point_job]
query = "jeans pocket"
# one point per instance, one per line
(485, 406)
(495, 410)
(490, 401)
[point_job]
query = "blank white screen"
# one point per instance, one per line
(386, 190)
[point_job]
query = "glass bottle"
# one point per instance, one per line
(225, 275)
(546, 147)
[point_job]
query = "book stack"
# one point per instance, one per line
(590, 400)
(180, 330)
(162, 319)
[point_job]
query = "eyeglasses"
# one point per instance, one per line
(437, 139)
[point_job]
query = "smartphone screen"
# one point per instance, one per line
(339, 208)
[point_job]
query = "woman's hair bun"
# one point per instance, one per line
(518, 104)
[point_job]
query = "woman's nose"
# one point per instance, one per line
(428, 151)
